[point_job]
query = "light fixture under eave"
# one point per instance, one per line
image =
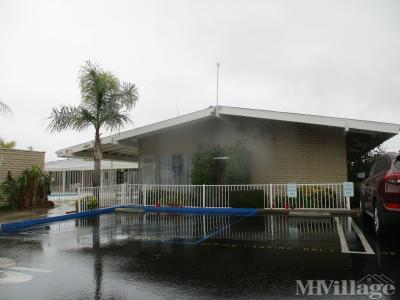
(221, 158)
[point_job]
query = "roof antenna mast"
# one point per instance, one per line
(218, 66)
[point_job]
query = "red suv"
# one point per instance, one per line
(380, 192)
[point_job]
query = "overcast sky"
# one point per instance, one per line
(335, 58)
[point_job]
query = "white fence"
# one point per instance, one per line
(274, 196)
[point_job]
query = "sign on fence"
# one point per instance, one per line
(292, 190)
(348, 189)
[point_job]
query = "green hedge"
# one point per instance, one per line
(312, 197)
(234, 170)
(247, 199)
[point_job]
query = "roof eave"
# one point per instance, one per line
(348, 124)
(138, 132)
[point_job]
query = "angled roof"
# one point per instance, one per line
(123, 146)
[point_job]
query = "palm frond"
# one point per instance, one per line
(89, 82)
(114, 119)
(7, 145)
(69, 117)
(4, 108)
(105, 102)
(128, 96)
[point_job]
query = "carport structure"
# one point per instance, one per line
(67, 175)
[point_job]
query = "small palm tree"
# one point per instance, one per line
(7, 145)
(3, 144)
(105, 104)
(4, 108)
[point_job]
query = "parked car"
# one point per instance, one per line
(380, 192)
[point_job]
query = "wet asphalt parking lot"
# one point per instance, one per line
(177, 256)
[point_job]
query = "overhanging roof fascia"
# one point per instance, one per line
(152, 128)
(312, 119)
(137, 132)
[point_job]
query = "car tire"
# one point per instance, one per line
(378, 221)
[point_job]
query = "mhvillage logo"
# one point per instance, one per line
(373, 285)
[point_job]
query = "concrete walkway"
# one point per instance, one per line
(60, 209)
(6, 263)
(6, 217)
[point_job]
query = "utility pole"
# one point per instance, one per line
(218, 66)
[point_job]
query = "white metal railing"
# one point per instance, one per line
(63, 202)
(275, 196)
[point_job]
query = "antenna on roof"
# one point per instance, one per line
(218, 66)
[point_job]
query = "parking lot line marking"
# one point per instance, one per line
(368, 249)
(345, 248)
(357, 252)
(343, 243)
(20, 269)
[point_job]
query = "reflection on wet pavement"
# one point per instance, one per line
(155, 256)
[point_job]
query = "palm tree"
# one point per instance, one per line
(3, 144)
(104, 105)
(4, 108)
(7, 145)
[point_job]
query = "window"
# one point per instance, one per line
(120, 177)
(175, 169)
(381, 165)
(147, 167)
(166, 174)
(371, 172)
(387, 164)
(187, 169)
(378, 167)
(397, 163)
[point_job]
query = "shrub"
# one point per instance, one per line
(29, 189)
(247, 199)
(314, 197)
(166, 197)
(88, 201)
(5, 208)
(238, 164)
(92, 203)
(205, 169)
(11, 192)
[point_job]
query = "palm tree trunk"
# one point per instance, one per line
(97, 160)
